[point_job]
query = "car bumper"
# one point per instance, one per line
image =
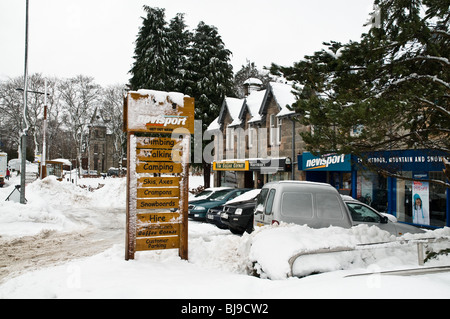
(197, 215)
(239, 222)
(215, 219)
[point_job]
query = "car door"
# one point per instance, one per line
(259, 208)
(363, 214)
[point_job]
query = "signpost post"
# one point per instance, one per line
(158, 126)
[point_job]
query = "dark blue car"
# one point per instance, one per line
(198, 209)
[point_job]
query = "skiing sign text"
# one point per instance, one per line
(158, 126)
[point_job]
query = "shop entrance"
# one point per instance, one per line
(248, 180)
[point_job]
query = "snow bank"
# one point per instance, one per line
(221, 265)
(272, 247)
(52, 205)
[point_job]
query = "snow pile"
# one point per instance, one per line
(51, 204)
(221, 265)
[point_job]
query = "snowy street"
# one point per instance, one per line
(68, 242)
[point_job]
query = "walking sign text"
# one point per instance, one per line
(158, 125)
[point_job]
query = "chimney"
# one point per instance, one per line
(252, 84)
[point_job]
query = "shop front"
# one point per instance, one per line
(334, 169)
(251, 173)
(414, 200)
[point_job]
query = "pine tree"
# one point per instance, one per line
(387, 91)
(180, 39)
(152, 52)
(210, 77)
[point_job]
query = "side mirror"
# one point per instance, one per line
(384, 220)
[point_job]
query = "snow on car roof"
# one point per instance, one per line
(244, 197)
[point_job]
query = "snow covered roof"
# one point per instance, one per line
(253, 81)
(62, 160)
(253, 103)
(215, 125)
(233, 106)
(282, 93)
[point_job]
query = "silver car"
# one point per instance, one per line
(364, 214)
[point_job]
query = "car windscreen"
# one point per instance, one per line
(203, 194)
(219, 194)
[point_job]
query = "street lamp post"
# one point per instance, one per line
(25, 123)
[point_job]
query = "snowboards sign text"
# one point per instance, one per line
(159, 125)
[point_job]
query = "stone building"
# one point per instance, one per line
(256, 138)
(99, 153)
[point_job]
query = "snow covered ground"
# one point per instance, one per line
(68, 242)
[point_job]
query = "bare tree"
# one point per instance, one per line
(111, 113)
(80, 95)
(11, 111)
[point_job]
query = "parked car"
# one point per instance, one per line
(213, 217)
(314, 204)
(318, 205)
(237, 214)
(198, 209)
(207, 193)
(364, 214)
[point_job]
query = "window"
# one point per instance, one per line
(279, 122)
(296, 204)
(230, 138)
(269, 203)
(250, 136)
(272, 131)
(361, 213)
(431, 195)
(262, 197)
(328, 207)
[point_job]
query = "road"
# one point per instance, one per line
(51, 247)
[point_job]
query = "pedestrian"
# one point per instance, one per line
(8, 173)
(259, 183)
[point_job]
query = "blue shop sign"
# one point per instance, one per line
(407, 160)
(329, 162)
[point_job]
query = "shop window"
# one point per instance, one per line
(372, 190)
(422, 203)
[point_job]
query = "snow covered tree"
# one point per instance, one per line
(180, 39)
(248, 71)
(152, 53)
(390, 90)
(210, 77)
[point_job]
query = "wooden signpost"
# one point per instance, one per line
(158, 126)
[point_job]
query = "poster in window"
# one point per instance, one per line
(420, 203)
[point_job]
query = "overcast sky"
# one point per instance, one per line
(96, 37)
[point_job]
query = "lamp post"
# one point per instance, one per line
(25, 123)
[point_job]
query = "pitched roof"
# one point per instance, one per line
(282, 93)
(253, 103)
(233, 106)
